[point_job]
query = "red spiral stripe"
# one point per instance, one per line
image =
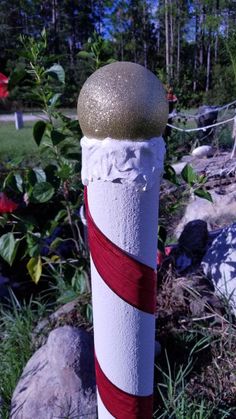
(120, 404)
(130, 279)
(135, 283)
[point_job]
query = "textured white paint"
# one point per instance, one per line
(103, 412)
(127, 216)
(124, 340)
(127, 161)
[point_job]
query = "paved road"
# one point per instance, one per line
(26, 117)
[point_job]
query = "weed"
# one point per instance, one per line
(16, 325)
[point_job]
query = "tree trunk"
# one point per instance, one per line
(195, 60)
(201, 27)
(178, 44)
(144, 38)
(171, 41)
(208, 65)
(167, 42)
(216, 34)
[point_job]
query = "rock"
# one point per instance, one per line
(191, 246)
(59, 380)
(203, 151)
(194, 238)
(207, 116)
(219, 264)
(178, 167)
(60, 317)
(220, 213)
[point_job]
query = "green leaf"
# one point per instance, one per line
(85, 55)
(189, 175)
(170, 175)
(65, 172)
(14, 182)
(55, 99)
(40, 174)
(67, 296)
(3, 220)
(38, 131)
(202, 193)
(89, 313)
(74, 126)
(42, 192)
(79, 282)
(43, 33)
(15, 77)
(34, 267)
(16, 161)
(57, 137)
(19, 182)
(8, 247)
(10, 182)
(56, 243)
(33, 242)
(60, 215)
(51, 175)
(110, 61)
(57, 72)
(73, 156)
(31, 177)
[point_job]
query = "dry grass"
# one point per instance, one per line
(197, 332)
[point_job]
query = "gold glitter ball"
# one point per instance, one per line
(122, 100)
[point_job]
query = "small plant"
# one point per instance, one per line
(97, 53)
(16, 326)
(44, 229)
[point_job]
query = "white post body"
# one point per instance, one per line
(123, 200)
(123, 111)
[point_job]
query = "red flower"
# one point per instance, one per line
(6, 204)
(3, 86)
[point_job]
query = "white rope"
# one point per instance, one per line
(214, 109)
(202, 128)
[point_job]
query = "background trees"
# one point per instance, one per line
(190, 44)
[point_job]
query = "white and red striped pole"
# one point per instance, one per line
(123, 111)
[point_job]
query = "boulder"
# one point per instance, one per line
(219, 213)
(178, 167)
(206, 116)
(59, 380)
(219, 264)
(191, 246)
(194, 238)
(203, 151)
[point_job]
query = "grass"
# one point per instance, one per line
(196, 372)
(17, 143)
(16, 325)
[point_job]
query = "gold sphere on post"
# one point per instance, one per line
(122, 100)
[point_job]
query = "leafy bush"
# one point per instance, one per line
(44, 228)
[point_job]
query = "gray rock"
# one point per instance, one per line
(219, 264)
(178, 167)
(191, 246)
(220, 213)
(203, 151)
(194, 237)
(59, 380)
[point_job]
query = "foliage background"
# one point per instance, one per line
(190, 44)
